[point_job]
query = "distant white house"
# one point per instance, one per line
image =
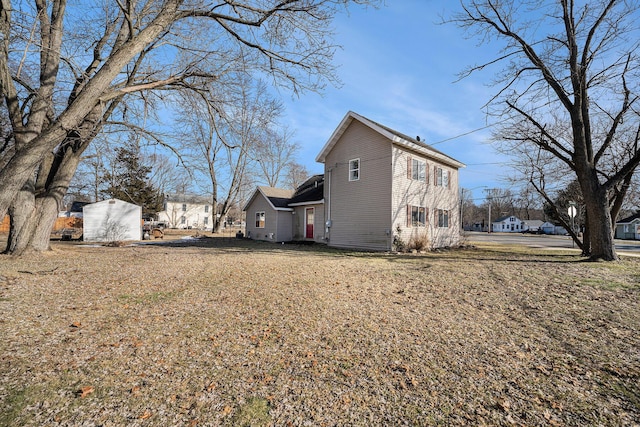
(532, 225)
(111, 220)
(507, 224)
(187, 211)
(629, 228)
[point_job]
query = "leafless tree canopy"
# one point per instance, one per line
(568, 87)
(68, 70)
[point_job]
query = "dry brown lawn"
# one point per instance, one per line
(226, 332)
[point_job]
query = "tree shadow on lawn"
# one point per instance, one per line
(467, 253)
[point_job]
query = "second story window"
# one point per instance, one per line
(184, 207)
(206, 208)
(417, 170)
(442, 177)
(354, 170)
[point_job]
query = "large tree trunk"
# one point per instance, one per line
(37, 224)
(599, 221)
(586, 237)
(33, 217)
(21, 213)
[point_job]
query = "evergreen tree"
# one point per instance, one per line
(129, 180)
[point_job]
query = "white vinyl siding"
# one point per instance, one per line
(407, 191)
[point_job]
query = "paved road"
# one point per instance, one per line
(630, 247)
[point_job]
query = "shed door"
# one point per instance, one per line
(309, 214)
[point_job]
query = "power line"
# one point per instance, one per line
(464, 134)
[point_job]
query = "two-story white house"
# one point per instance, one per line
(187, 211)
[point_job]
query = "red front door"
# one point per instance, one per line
(309, 213)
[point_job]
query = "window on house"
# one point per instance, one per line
(184, 207)
(442, 177)
(417, 170)
(259, 219)
(416, 216)
(183, 219)
(354, 170)
(206, 208)
(206, 220)
(443, 218)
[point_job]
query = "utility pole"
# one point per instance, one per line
(490, 192)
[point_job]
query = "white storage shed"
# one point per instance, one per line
(111, 221)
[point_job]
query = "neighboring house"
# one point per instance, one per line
(548, 228)
(111, 221)
(381, 184)
(280, 215)
(507, 224)
(75, 211)
(628, 228)
(186, 211)
(532, 225)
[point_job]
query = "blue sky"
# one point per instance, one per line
(398, 66)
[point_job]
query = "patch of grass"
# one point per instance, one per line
(15, 403)
(152, 297)
(253, 413)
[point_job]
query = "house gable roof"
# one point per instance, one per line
(633, 218)
(395, 137)
(187, 198)
(506, 217)
(311, 191)
(277, 198)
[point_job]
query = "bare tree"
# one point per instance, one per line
(225, 128)
(296, 174)
(570, 88)
(58, 99)
(274, 154)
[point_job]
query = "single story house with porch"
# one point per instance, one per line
(628, 228)
(280, 215)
